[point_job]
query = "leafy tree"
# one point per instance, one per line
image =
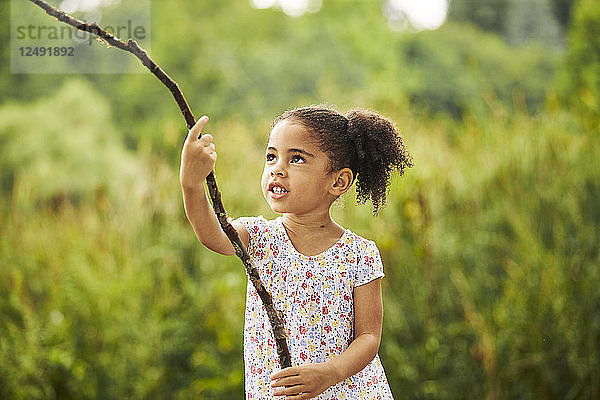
(519, 21)
(489, 15)
(532, 20)
(562, 11)
(62, 148)
(583, 61)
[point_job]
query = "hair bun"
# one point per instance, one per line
(379, 151)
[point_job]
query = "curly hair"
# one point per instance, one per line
(361, 140)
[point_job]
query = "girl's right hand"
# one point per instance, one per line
(198, 156)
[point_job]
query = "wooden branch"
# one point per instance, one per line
(275, 317)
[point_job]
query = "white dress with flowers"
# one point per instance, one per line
(315, 295)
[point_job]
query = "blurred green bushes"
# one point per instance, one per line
(105, 294)
(48, 163)
(503, 249)
(583, 61)
(490, 243)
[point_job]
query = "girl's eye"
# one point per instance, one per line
(270, 157)
(298, 159)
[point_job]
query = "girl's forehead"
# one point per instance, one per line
(290, 134)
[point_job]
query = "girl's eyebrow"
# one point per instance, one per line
(304, 152)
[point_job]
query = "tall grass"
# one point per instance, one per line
(494, 267)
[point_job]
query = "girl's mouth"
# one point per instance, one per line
(277, 191)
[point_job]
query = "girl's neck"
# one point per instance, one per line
(313, 234)
(309, 224)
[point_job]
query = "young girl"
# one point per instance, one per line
(324, 278)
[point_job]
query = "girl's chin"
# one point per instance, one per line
(277, 208)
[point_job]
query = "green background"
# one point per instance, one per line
(490, 243)
(32, 28)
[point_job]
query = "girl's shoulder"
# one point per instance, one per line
(259, 228)
(256, 224)
(362, 256)
(359, 243)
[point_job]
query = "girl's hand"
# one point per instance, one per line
(304, 381)
(198, 156)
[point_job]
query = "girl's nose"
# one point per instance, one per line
(278, 170)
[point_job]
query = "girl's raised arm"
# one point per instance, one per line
(198, 159)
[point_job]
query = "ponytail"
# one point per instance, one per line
(379, 152)
(363, 141)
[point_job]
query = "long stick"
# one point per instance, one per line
(275, 317)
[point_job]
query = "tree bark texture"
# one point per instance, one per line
(275, 317)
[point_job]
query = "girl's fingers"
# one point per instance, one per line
(300, 396)
(197, 128)
(290, 391)
(207, 141)
(290, 371)
(287, 381)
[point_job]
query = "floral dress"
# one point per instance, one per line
(315, 295)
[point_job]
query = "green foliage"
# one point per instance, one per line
(232, 60)
(583, 62)
(490, 242)
(518, 21)
(489, 15)
(562, 10)
(533, 20)
(56, 147)
(109, 299)
(478, 67)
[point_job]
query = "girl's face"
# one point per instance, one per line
(296, 177)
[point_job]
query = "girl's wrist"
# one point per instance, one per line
(333, 372)
(194, 186)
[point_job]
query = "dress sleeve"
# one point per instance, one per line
(255, 227)
(369, 267)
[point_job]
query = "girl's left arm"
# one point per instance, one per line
(309, 380)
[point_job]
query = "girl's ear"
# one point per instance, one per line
(342, 181)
